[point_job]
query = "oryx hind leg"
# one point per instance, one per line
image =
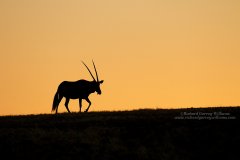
(66, 104)
(59, 100)
(89, 102)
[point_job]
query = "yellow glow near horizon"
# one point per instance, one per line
(151, 53)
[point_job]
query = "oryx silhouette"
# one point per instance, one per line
(80, 89)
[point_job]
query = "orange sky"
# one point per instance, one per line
(151, 53)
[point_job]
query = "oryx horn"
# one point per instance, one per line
(89, 71)
(95, 71)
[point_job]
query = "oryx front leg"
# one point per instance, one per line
(80, 104)
(66, 104)
(89, 102)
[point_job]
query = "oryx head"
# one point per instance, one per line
(96, 83)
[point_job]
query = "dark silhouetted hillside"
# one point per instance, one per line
(176, 134)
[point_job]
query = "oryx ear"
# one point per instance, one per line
(101, 81)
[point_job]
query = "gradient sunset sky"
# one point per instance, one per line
(150, 53)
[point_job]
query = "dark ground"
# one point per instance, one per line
(177, 134)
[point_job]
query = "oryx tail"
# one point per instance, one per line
(55, 101)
